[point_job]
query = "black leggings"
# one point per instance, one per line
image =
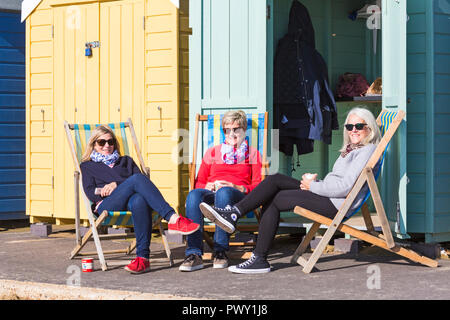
(278, 193)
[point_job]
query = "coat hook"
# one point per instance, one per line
(43, 120)
(160, 119)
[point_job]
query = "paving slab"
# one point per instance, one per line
(29, 260)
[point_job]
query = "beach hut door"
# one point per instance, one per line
(227, 57)
(107, 85)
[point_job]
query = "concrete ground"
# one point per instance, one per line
(33, 267)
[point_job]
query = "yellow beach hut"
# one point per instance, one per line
(137, 69)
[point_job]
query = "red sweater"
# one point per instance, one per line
(242, 174)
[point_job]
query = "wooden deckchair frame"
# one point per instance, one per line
(192, 177)
(96, 223)
(383, 240)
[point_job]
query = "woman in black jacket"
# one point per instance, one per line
(115, 183)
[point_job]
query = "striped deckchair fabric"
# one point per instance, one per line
(254, 134)
(120, 218)
(386, 119)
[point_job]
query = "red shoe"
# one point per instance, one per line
(183, 226)
(138, 265)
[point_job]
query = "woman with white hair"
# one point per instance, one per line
(282, 193)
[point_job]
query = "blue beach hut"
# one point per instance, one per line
(12, 112)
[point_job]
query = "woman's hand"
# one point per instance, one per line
(306, 180)
(210, 186)
(223, 183)
(108, 189)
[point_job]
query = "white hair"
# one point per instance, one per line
(374, 135)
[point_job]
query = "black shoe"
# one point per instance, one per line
(253, 265)
(225, 218)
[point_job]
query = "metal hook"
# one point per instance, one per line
(160, 119)
(43, 120)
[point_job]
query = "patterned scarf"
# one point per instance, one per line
(108, 159)
(350, 147)
(232, 155)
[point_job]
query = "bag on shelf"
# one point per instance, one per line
(351, 85)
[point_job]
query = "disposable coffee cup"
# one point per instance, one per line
(87, 264)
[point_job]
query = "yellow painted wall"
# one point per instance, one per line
(39, 112)
(135, 71)
(161, 86)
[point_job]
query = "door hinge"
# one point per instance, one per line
(53, 182)
(53, 33)
(143, 22)
(268, 12)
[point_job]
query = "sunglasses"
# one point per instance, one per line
(102, 142)
(358, 126)
(235, 130)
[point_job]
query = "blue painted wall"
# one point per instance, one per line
(441, 116)
(428, 113)
(12, 116)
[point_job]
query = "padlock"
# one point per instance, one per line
(88, 50)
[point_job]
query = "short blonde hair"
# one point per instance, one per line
(373, 137)
(235, 116)
(96, 133)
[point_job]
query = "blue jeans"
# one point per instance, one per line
(223, 197)
(140, 196)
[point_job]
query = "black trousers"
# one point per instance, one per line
(278, 193)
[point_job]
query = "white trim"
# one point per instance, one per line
(27, 7)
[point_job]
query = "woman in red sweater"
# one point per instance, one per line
(228, 172)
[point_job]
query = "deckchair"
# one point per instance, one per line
(256, 136)
(78, 137)
(388, 121)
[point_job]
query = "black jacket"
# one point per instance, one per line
(98, 174)
(304, 106)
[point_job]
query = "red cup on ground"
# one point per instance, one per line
(87, 264)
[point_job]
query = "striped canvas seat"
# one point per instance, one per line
(254, 134)
(118, 218)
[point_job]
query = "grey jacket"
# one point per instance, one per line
(337, 184)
